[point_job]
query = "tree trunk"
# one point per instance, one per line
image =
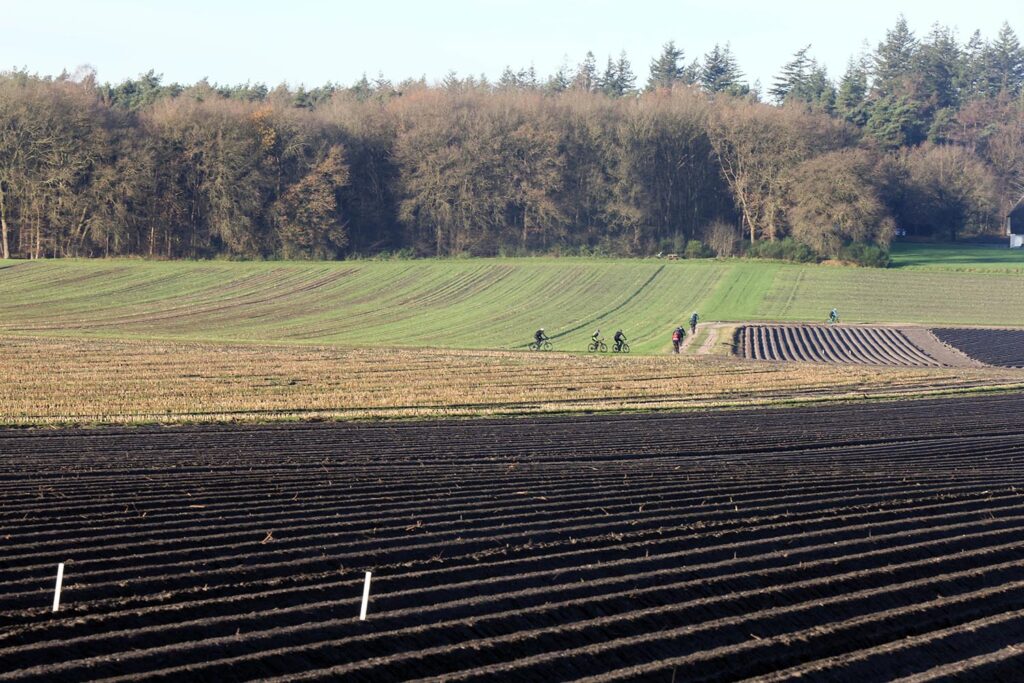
(39, 235)
(6, 253)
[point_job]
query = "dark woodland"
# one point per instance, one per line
(923, 137)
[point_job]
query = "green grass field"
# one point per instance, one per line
(492, 303)
(968, 258)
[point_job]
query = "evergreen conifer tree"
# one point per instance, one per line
(625, 79)
(586, 74)
(815, 89)
(793, 74)
(608, 81)
(559, 81)
(667, 68)
(719, 73)
(852, 97)
(1006, 63)
(894, 57)
(508, 79)
(937, 65)
(970, 79)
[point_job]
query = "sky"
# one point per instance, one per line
(310, 42)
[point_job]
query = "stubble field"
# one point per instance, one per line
(66, 381)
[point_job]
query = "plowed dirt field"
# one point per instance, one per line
(864, 345)
(992, 347)
(854, 542)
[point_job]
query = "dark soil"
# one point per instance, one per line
(863, 345)
(992, 347)
(839, 542)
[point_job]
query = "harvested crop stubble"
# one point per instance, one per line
(57, 381)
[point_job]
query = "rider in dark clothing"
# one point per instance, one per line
(539, 336)
(677, 339)
(693, 323)
(619, 339)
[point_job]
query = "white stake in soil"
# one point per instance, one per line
(366, 597)
(56, 591)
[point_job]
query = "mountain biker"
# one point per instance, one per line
(677, 338)
(539, 337)
(596, 337)
(693, 322)
(620, 339)
(833, 317)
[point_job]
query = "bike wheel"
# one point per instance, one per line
(592, 347)
(547, 346)
(625, 347)
(604, 348)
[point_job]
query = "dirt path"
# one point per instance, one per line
(934, 347)
(689, 338)
(709, 343)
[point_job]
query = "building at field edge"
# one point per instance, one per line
(1015, 225)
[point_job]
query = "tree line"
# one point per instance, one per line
(923, 136)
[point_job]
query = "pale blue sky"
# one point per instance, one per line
(311, 42)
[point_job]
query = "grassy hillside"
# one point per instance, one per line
(489, 303)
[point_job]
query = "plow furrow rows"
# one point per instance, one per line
(992, 347)
(831, 344)
(875, 542)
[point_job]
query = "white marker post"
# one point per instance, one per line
(56, 591)
(366, 597)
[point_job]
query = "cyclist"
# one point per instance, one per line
(619, 340)
(539, 337)
(833, 317)
(677, 338)
(693, 322)
(596, 337)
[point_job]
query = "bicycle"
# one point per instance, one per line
(597, 345)
(544, 345)
(621, 348)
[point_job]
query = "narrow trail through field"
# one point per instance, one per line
(877, 540)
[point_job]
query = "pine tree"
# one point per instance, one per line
(815, 89)
(1006, 63)
(719, 73)
(625, 79)
(894, 57)
(896, 121)
(508, 80)
(691, 74)
(586, 74)
(559, 81)
(852, 98)
(667, 69)
(361, 89)
(608, 81)
(970, 80)
(937, 65)
(793, 74)
(528, 78)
